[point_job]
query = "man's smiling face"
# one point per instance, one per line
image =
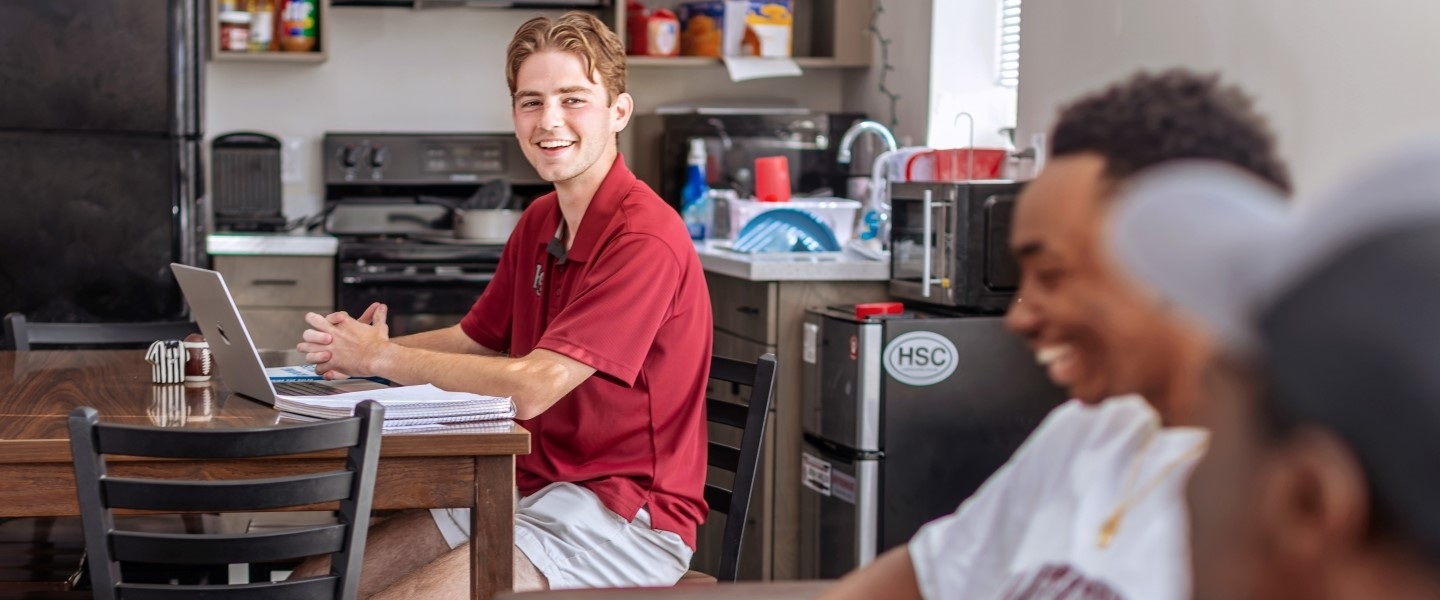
(565, 119)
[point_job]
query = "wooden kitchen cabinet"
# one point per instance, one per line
(752, 318)
(827, 34)
(274, 292)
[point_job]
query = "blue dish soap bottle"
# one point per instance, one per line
(695, 196)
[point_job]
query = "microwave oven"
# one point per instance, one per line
(949, 244)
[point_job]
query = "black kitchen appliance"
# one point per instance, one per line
(246, 182)
(100, 162)
(808, 140)
(904, 416)
(950, 244)
(390, 198)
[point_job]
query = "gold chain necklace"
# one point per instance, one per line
(1111, 527)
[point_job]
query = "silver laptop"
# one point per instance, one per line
(236, 359)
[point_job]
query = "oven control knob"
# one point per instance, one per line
(350, 155)
(378, 155)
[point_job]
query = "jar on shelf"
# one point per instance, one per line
(234, 31)
(262, 25)
(297, 25)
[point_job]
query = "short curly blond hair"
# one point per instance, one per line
(579, 33)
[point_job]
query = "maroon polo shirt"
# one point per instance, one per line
(628, 299)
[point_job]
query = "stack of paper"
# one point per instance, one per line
(406, 407)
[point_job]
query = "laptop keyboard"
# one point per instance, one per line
(305, 388)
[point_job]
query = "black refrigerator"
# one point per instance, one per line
(100, 166)
(904, 417)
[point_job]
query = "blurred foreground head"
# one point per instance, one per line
(1093, 333)
(1323, 477)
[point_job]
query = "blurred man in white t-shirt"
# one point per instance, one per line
(1091, 507)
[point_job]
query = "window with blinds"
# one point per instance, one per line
(1008, 66)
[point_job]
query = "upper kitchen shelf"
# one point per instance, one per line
(827, 34)
(317, 54)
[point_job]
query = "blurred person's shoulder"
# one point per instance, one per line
(1077, 425)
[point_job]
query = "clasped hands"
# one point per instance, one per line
(339, 345)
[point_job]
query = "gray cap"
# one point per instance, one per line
(1340, 299)
(1199, 233)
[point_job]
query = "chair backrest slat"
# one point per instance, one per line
(226, 496)
(189, 549)
(725, 413)
(718, 498)
(313, 588)
(744, 461)
(135, 440)
(724, 457)
(23, 334)
(353, 487)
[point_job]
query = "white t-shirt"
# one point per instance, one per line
(1032, 531)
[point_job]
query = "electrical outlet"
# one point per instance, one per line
(290, 167)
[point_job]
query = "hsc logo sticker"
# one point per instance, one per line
(920, 358)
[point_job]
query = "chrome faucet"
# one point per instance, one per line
(843, 156)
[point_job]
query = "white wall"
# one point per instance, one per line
(963, 76)
(906, 23)
(436, 70)
(943, 56)
(1339, 79)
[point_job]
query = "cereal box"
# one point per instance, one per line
(736, 28)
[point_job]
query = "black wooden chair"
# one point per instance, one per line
(743, 461)
(23, 334)
(108, 548)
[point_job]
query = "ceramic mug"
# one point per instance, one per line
(167, 361)
(199, 364)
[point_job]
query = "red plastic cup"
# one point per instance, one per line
(772, 179)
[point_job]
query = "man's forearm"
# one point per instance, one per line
(534, 382)
(449, 339)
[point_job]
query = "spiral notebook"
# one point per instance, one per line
(405, 406)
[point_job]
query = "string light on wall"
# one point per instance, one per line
(885, 66)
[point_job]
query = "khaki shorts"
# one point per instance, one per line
(576, 542)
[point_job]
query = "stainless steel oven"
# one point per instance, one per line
(949, 244)
(389, 197)
(426, 286)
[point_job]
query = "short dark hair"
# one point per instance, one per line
(1151, 118)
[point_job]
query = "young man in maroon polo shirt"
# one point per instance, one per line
(597, 323)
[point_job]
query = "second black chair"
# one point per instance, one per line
(742, 461)
(23, 334)
(108, 548)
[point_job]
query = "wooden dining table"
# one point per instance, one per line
(38, 389)
(768, 590)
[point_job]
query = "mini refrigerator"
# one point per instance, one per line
(904, 417)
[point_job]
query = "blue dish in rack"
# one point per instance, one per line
(786, 230)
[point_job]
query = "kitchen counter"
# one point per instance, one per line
(716, 257)
(296, 243)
